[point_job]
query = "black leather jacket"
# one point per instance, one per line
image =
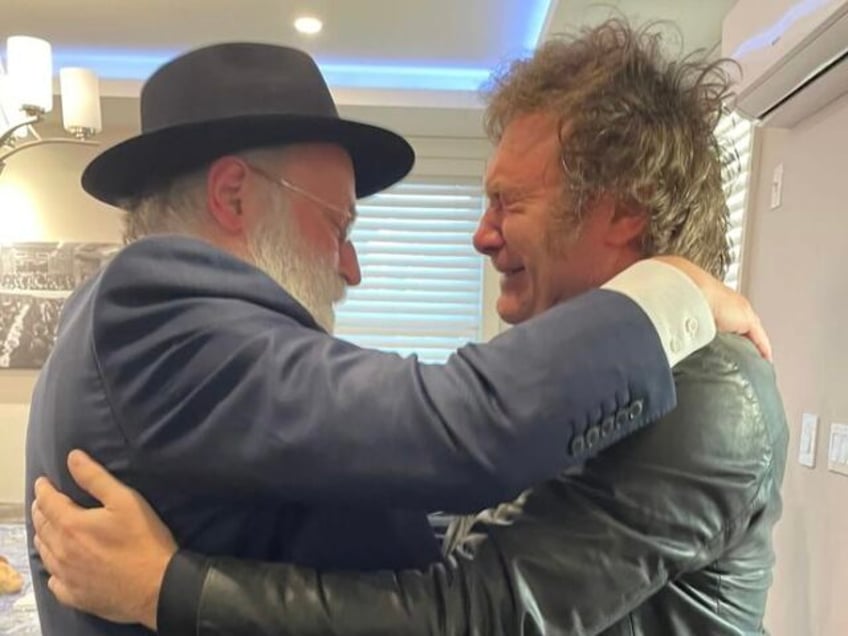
(668, 532)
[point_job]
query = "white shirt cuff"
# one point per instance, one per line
(673, 303)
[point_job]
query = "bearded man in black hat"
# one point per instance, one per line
(197, 366)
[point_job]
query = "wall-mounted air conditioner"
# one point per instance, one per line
(793, 54)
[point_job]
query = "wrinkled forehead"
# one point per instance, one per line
(527, 154)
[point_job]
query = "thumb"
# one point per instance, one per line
(94, 479)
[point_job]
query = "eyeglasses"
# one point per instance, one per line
(340, 218)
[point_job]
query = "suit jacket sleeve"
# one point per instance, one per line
(576, 555)
(220, 382)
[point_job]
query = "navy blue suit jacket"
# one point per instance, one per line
(196, 379)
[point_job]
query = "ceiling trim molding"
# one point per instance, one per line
(342, 95)
(545, 31)
(123, 72)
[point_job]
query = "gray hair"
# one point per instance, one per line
(636, 124)
(179, 206)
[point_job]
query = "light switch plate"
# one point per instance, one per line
(777, 187)
(837, 452)
(809, 430)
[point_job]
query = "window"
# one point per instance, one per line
(737, 132)
(421, 288)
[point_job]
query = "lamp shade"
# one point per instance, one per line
(10, 112)
(7, 105)
(80, 100)
(30, 71)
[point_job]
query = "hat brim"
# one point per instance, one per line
(132, 167)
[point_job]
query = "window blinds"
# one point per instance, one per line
(736, 133)
(421, 288)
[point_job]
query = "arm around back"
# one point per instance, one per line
(220, 380)
(582, 553)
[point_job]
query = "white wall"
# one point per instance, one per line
(797, 277)
(41, 200)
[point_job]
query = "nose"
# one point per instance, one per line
(488, 238)
(349, 264)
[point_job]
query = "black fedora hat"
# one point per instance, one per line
(230, 97)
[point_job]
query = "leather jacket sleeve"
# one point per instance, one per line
(579, 553)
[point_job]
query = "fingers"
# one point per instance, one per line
(48, 542)
(93, 478)
(736, 315)
(48, 509)
(48, 558)
(753, 329)
(54, 518)
(758, 336)
(54, 567)
(60, 591)
(48, 498)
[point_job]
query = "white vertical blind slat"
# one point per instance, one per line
(736, 133)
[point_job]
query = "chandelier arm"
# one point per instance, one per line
(42, 142)
(7, 134)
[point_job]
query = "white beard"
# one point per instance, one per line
(278, 251)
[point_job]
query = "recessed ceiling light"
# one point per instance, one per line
(308, 24)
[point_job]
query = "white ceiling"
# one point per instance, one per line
(398, 52)
(697, 22)
(473, 33)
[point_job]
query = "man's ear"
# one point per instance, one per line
(625, 222)
(226, 182)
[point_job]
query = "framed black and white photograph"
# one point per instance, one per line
(35, 280)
